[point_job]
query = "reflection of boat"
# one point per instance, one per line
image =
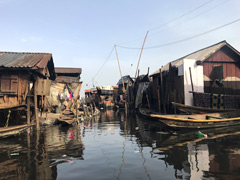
(183, 138)
(13, 130)
(198, 110)
(195, 121)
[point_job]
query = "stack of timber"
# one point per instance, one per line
(198, 110)
(67, 117)
(195, 121)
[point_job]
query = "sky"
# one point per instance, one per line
(83, 34)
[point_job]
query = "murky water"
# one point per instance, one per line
(112, 147)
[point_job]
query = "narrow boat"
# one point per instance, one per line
(198, 110)
(66, 118)
(195, 121)
(13, 130)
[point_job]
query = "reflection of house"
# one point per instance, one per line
(198, 158)
(225, 161)
(23, 75)
(214, 69)
(66, 86)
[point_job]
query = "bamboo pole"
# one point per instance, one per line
(141, 54)
(120, 69)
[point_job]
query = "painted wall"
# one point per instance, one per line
(231, 72)
(197, 79)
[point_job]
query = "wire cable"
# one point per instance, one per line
(138, 39)
(186, 39)
(103, 64)
(191, 18)
(181, 15)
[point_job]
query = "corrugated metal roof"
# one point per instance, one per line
(68, 70)
(200, 55)
(24, 60)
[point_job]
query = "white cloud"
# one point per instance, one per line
(31, 39)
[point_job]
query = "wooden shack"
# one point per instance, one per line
(65, 90)
(105, 96)
(25, 78)
(200, 77)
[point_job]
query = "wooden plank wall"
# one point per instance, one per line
(231, 72)
(17, 90)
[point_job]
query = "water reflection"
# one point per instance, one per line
(110, 146)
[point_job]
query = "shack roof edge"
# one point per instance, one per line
(201, 55)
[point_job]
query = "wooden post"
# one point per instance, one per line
(140, 55)
(28, 103)
(77, 110)
(28, 110)
(149, 107)
(120, 70)
(159, 102)
(174, 96)
(36, 106)
(191, 79)
(162, 93)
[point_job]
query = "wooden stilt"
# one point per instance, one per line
(77, 110)
(28, 110)
(159, 102)
(36, 107)
(174, 107)
(162, 93)
(149, 107)
(28, 103)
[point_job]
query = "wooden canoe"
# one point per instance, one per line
(195, 121)
(13, 130)
(198, 110)
(66, 117)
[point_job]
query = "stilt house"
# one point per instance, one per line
(209, 77)
(24, 76)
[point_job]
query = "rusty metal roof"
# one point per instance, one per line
(65, 70)
(24, 60)
(200, 55)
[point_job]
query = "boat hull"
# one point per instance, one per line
(197, 121)
(198, 110)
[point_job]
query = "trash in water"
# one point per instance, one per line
(14, 154)
(60, 161)
(200, 134)
(70, 162)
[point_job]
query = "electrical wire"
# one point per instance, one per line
(138, 39)
(186, 39)
(181, 16)
(191, 18)
(103, 64)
